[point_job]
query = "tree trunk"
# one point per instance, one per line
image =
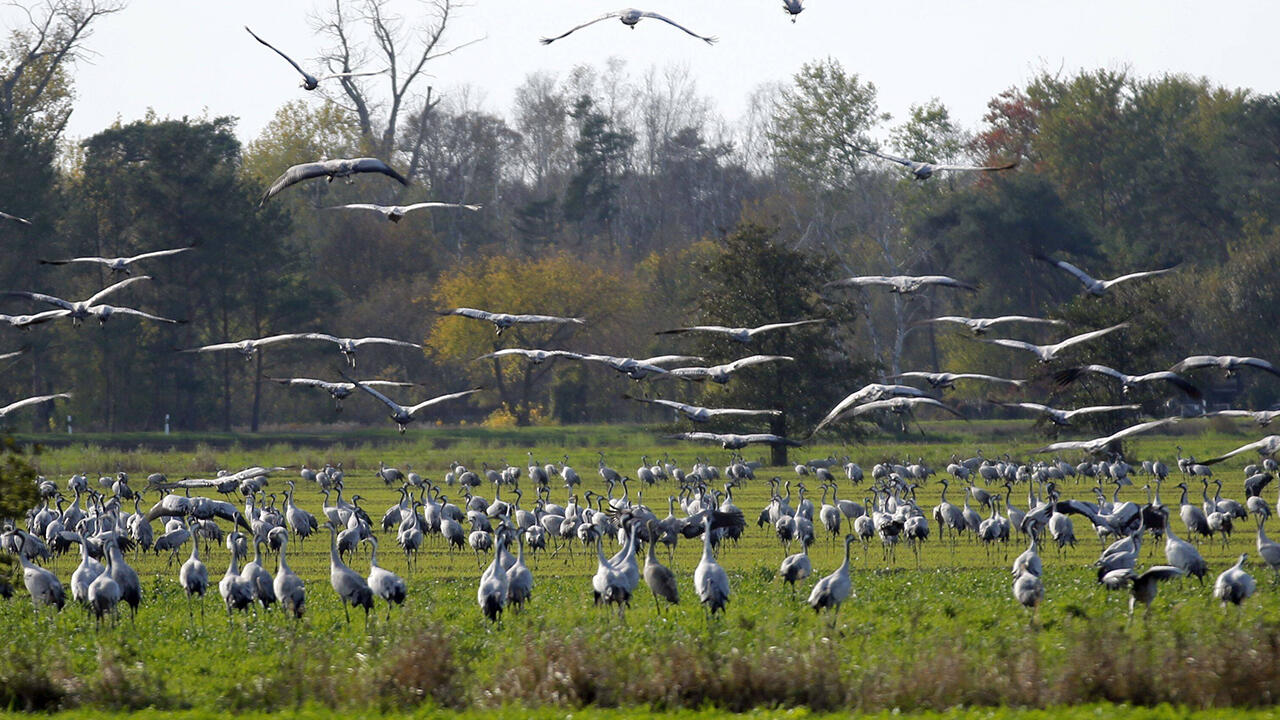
(257, 392)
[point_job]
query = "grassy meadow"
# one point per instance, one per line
(937, 631)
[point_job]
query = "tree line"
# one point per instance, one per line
(626, 198)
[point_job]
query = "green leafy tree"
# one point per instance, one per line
(18, 493)
(592, 197)
(753, 281)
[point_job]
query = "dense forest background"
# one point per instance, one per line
(620, 194)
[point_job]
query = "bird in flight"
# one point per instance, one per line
(14, 354)
(395, 213)
(502, 321)
(309, 81)
(739, 334)
(14, 218)
(91, 307)
(1063, 417)
(730, 441)
(349, 346)
(338, 390)
(905, 284)
(703, 414)
(793, 8)
(944, 380)
(1230, 364)
(249, 347)
(869, 393)
(118, 264)
(1267, 447)
(26, 321)
(722, 373)
(1262, 417)
(403, 415)
(337, 168)
(980, 326)
(1068, 376)
(638, 369)
(630, 17)
(537, 357)
(1046, 353)
(1100, 445)
(897, 405)
(1096, 287)
(925, 170)
(11, 407)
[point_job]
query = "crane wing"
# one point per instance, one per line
(117, 310)
(708, 39)
(426, 205)
(295, 174)
(374, 165)
(442, 398)
(30, 401)
(104, 292)
(14, 218)
(606, 16)
(978, 168)
(41, 297)
(295, 65)
(158, 253)
(1081, 275)
(1135, 276)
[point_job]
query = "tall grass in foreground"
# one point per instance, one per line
(1215, 665)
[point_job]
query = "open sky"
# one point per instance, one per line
(182, 57)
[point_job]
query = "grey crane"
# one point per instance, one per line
(979, 326)
(1064, 417)
(731, 441)
(1046, 353)
(84, 309)
(382, 582)
(494, 587)
(629, 17)
(1229, 364)
(721, 373)
(1142, 587)
(865, 394)
(793, 8)
(290, 591)
(193, 576)
(1234, 585)
(502, 321)
(28, 402)
(1070, 375)
(898, 405)
(1028, 589)
(309, 81)
(537, 357)
(943, 380)
(258, 577)
(1266, 447)
(403, 415)
(1183, 555)
(710, 580)
(85, 572)
(519, 579)
(125, 576)
(351, 588)
(660, 579)
(1095, 287)
(395, 213)
(702, 414)
(339, 391)
(832, 590)
(330, 169)
(119, 264)
(903, 284)
(923, 170)
(1101, 445)
(249, 347)
(743, 335)
(237, 592)
(43, 586)
(796, 567)
(350, 346)
(104, 594)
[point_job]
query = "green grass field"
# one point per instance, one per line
(930, 633)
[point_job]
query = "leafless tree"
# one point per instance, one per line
(52, 35)
(367, 35)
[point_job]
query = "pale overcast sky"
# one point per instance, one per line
(187, 58)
